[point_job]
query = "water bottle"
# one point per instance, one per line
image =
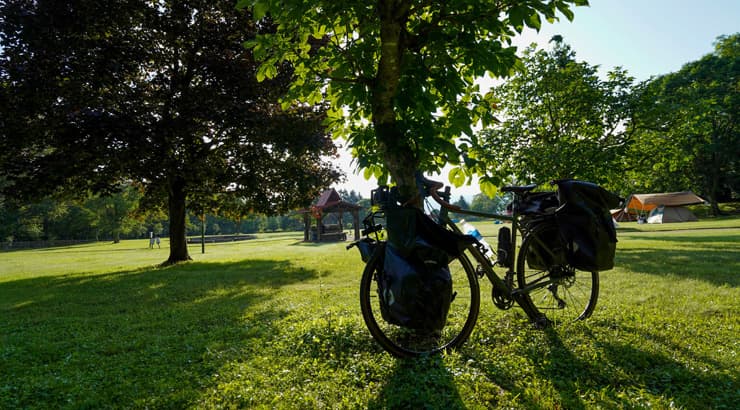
(471, 230)
(504, 246)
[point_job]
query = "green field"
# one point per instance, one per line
(275, 323)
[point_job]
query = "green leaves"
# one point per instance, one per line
(266, 71)
(528, 13)
(417, 94)
(533, 21)
(457, 176)
(567, 12)
(561, 121)
(693, 113)
(488, 188)
(260, 9)
(517, 15)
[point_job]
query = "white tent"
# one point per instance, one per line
(664, 214)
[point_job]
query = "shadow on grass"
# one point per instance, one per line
(312, 244)
(660, 375)
(417, 384)
(564, 370)
(627, 229)
(96, 249)
(57, 247)
(714, 265)
(617, 374)
(624, 371)
(666, 229)
(146, 338)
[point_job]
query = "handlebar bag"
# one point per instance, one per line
(404, 225)
(586, 225)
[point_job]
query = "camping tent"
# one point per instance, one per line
(663, 214)
(666, 207)
(623, 215)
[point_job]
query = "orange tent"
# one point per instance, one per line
(648, 202)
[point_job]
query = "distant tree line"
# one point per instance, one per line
(119, 217)
(124, 216)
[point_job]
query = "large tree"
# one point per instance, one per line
(560, 119)
(690, 137)
(404, 70)
(160, 92)
(115, 213)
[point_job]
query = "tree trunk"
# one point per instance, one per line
(714, 207)
(714, 183)
(398, 154)
(713, 203)
(178, 240)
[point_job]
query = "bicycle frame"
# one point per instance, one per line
(475, 251)
(504, 286)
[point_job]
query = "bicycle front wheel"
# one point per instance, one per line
(556, 289)
(405, 342)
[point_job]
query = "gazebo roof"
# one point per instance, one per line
(328, 198)
(330, 201)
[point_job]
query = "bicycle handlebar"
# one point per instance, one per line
(430, 188)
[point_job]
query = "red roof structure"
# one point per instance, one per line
(329, 202)
(328, 198)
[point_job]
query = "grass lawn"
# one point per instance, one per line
(275, 323)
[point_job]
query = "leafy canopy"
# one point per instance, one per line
(400, 75)
(560, 119)
(690, 138)
(159, 92)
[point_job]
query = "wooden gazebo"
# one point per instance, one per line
(329, 203)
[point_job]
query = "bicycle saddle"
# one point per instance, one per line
(519, 189)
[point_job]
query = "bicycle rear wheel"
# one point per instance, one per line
(559, 291)
(404, 342)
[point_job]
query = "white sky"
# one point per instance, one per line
(646, 37)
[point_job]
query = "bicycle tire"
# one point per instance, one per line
(403, 342)
(571, 295)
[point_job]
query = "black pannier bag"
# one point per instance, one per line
(415, 287)
(547, 248)
(414, 293)
(586, 225)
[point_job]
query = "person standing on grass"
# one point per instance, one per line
(156, 239)
(151, 240)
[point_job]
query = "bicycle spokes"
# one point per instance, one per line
(560, 291)
(554, 291)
